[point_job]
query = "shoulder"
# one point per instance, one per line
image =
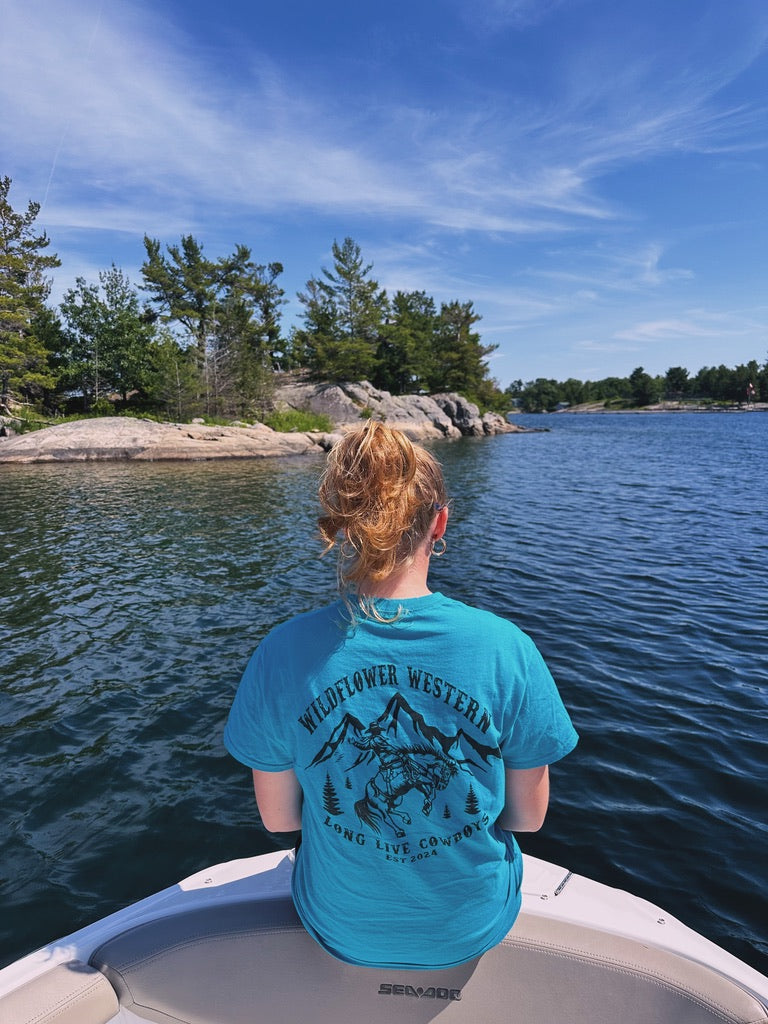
(308, 631)
(307, 622)
(484, 635)
(486, 623)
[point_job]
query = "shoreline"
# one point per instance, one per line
(421, 417)
(125, 438)
(597, 409)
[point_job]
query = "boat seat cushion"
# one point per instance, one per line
(70, 993)
(245, 962)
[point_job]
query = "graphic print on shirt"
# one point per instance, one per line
(411, 763)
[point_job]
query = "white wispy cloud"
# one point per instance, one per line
(593, 345)
(494, 15)
(127, 114)
(127, 123)
(122, 104)
(693, 324)
(607, 268)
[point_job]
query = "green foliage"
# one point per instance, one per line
(182, 287)
(645, 389)
(106, 338)
(710, 386)
(27, 420)
(215, 421)
(230, 311)
(725, 385)
(209, 341)
(676, 380)
(406, 354)
(459, 356)
(540, 395)
(287, 421)
(24, 359)
(103, 407)
(422, 349)
(353, 332)
(344, 315)
(173, 381)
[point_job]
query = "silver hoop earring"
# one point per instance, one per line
(438, 552)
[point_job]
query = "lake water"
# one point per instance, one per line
(632, 548)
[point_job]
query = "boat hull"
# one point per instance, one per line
(225, 946)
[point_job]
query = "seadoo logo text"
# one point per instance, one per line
(448, 994)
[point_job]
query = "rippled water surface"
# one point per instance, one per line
(632, 548)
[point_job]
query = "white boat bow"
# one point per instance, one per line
(224, 946)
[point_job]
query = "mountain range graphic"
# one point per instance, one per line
(403, 728)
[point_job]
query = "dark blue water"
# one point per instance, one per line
(632, 548)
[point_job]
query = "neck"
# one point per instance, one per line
(410, 581)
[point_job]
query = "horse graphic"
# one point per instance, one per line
(402, 770)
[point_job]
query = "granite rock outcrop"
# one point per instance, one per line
(122, 437)
(346, 405)
(419, 416)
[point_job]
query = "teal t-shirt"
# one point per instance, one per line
(399, 734)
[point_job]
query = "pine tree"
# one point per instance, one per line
(460, 358)
(247, 332)
(645, 389)
(173, 378)
(330, 799)
(472, 805)
(230, 309)
(182, 286)
(106, 337)
(344, 314)
(406, 349)
(24, 366)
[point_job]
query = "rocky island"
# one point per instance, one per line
(120, 437)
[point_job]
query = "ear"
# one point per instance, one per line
(441, 522)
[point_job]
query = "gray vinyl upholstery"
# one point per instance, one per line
(254, 964)
(71, 993)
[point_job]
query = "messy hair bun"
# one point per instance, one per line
(378, 495)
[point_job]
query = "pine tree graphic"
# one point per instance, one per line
(348, 782)
(330, 800)
(447, 812)
(472, 806)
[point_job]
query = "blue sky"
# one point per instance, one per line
(591, 174)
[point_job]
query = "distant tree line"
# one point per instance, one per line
(203, 336)
(740, 385)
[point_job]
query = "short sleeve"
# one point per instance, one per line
(541, 731)
(254, 733)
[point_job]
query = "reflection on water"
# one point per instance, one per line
(633, 549)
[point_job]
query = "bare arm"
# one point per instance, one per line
(279, 797)
(526, 798)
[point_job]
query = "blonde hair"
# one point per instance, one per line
(379, 494)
